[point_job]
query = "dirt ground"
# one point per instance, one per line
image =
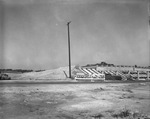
(75, 101)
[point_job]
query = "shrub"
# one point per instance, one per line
(122, 114)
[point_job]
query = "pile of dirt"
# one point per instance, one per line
(58, 73)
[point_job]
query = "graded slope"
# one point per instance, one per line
(47, 74)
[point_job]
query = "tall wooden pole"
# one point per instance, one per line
(69, 50)
(148, 73)
(149, 27)
(2, 32)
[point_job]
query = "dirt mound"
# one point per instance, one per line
(47, 74)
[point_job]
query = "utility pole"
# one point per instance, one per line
(2, 30)
(69, 49)
(149, 27)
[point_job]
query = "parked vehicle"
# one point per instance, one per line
(4, 77)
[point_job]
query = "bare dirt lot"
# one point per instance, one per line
(75, 101)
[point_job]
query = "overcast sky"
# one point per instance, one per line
(33, 33)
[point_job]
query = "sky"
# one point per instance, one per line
(33, 33)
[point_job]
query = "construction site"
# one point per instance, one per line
(83, 73)
(109, 73)
(43, 73)
(106, 92)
